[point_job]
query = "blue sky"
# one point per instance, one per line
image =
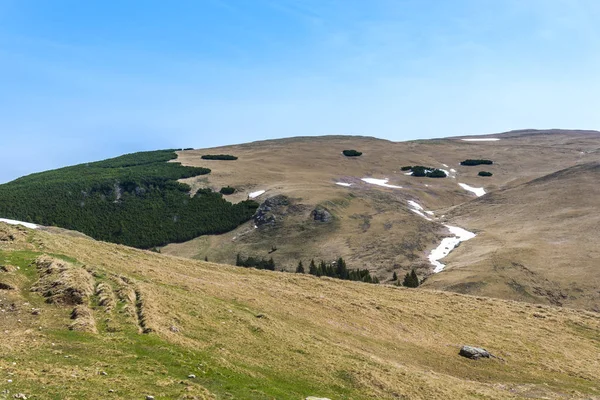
(87, 80)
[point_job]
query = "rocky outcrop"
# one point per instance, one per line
(474, 353)
(270, 209)
(320, 214)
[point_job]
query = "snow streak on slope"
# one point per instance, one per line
(256, 194)
(380, 182)
(478, 191)
(14, 222)
(418, 209)
(448, 244)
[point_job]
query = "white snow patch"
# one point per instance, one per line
(254, 195)
(418, 209)
(452, 170)
(343, 184)
(421, 214)
(445, 171)
(448, 244)
(14, 222)
(408, 173)
(415, 205)
(445, 165)
(481, 140)
(478, 191)
(380, 182)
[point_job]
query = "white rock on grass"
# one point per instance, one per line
(478, 191)
(343, 184)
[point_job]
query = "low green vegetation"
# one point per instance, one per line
(227, 190)
(133, 199)
(472, 162)
(226, 157)
(336, 269)
(411, 280)
(339, 270)
(485, 173)
(252, 262)
(352, 153)
(422, 171)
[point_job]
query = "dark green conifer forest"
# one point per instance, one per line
(133, 199)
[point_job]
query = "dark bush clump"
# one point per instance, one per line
(411, 280)
(218, 157)
(471, 162)
(339, 270)
(485, 173)
(227, 190)
(252, 262)
(352, 153)
(421, 171)
(436, 173)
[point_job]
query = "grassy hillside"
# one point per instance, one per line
(375, 227)
(536, 241)
(248, 334)
(134, 199)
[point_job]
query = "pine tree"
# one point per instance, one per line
(312, 269)
(238, 260)
(411, 279)
(340, 269)
(300, 268)
(205, 258)
(271, 264)
(322, 268)
(395, 276)
(415, 278)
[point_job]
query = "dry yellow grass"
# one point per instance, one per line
(375, 228)
(260, 334)
(536, 242)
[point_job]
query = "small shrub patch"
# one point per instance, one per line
(226, 157)
(227, 190)
(471, 162)
(351, 153)
(422, 171)
(485, 173)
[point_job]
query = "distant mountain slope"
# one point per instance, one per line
(134, 199)
(537, 241)
(222, 332)
(370, 226)
(316, 203)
